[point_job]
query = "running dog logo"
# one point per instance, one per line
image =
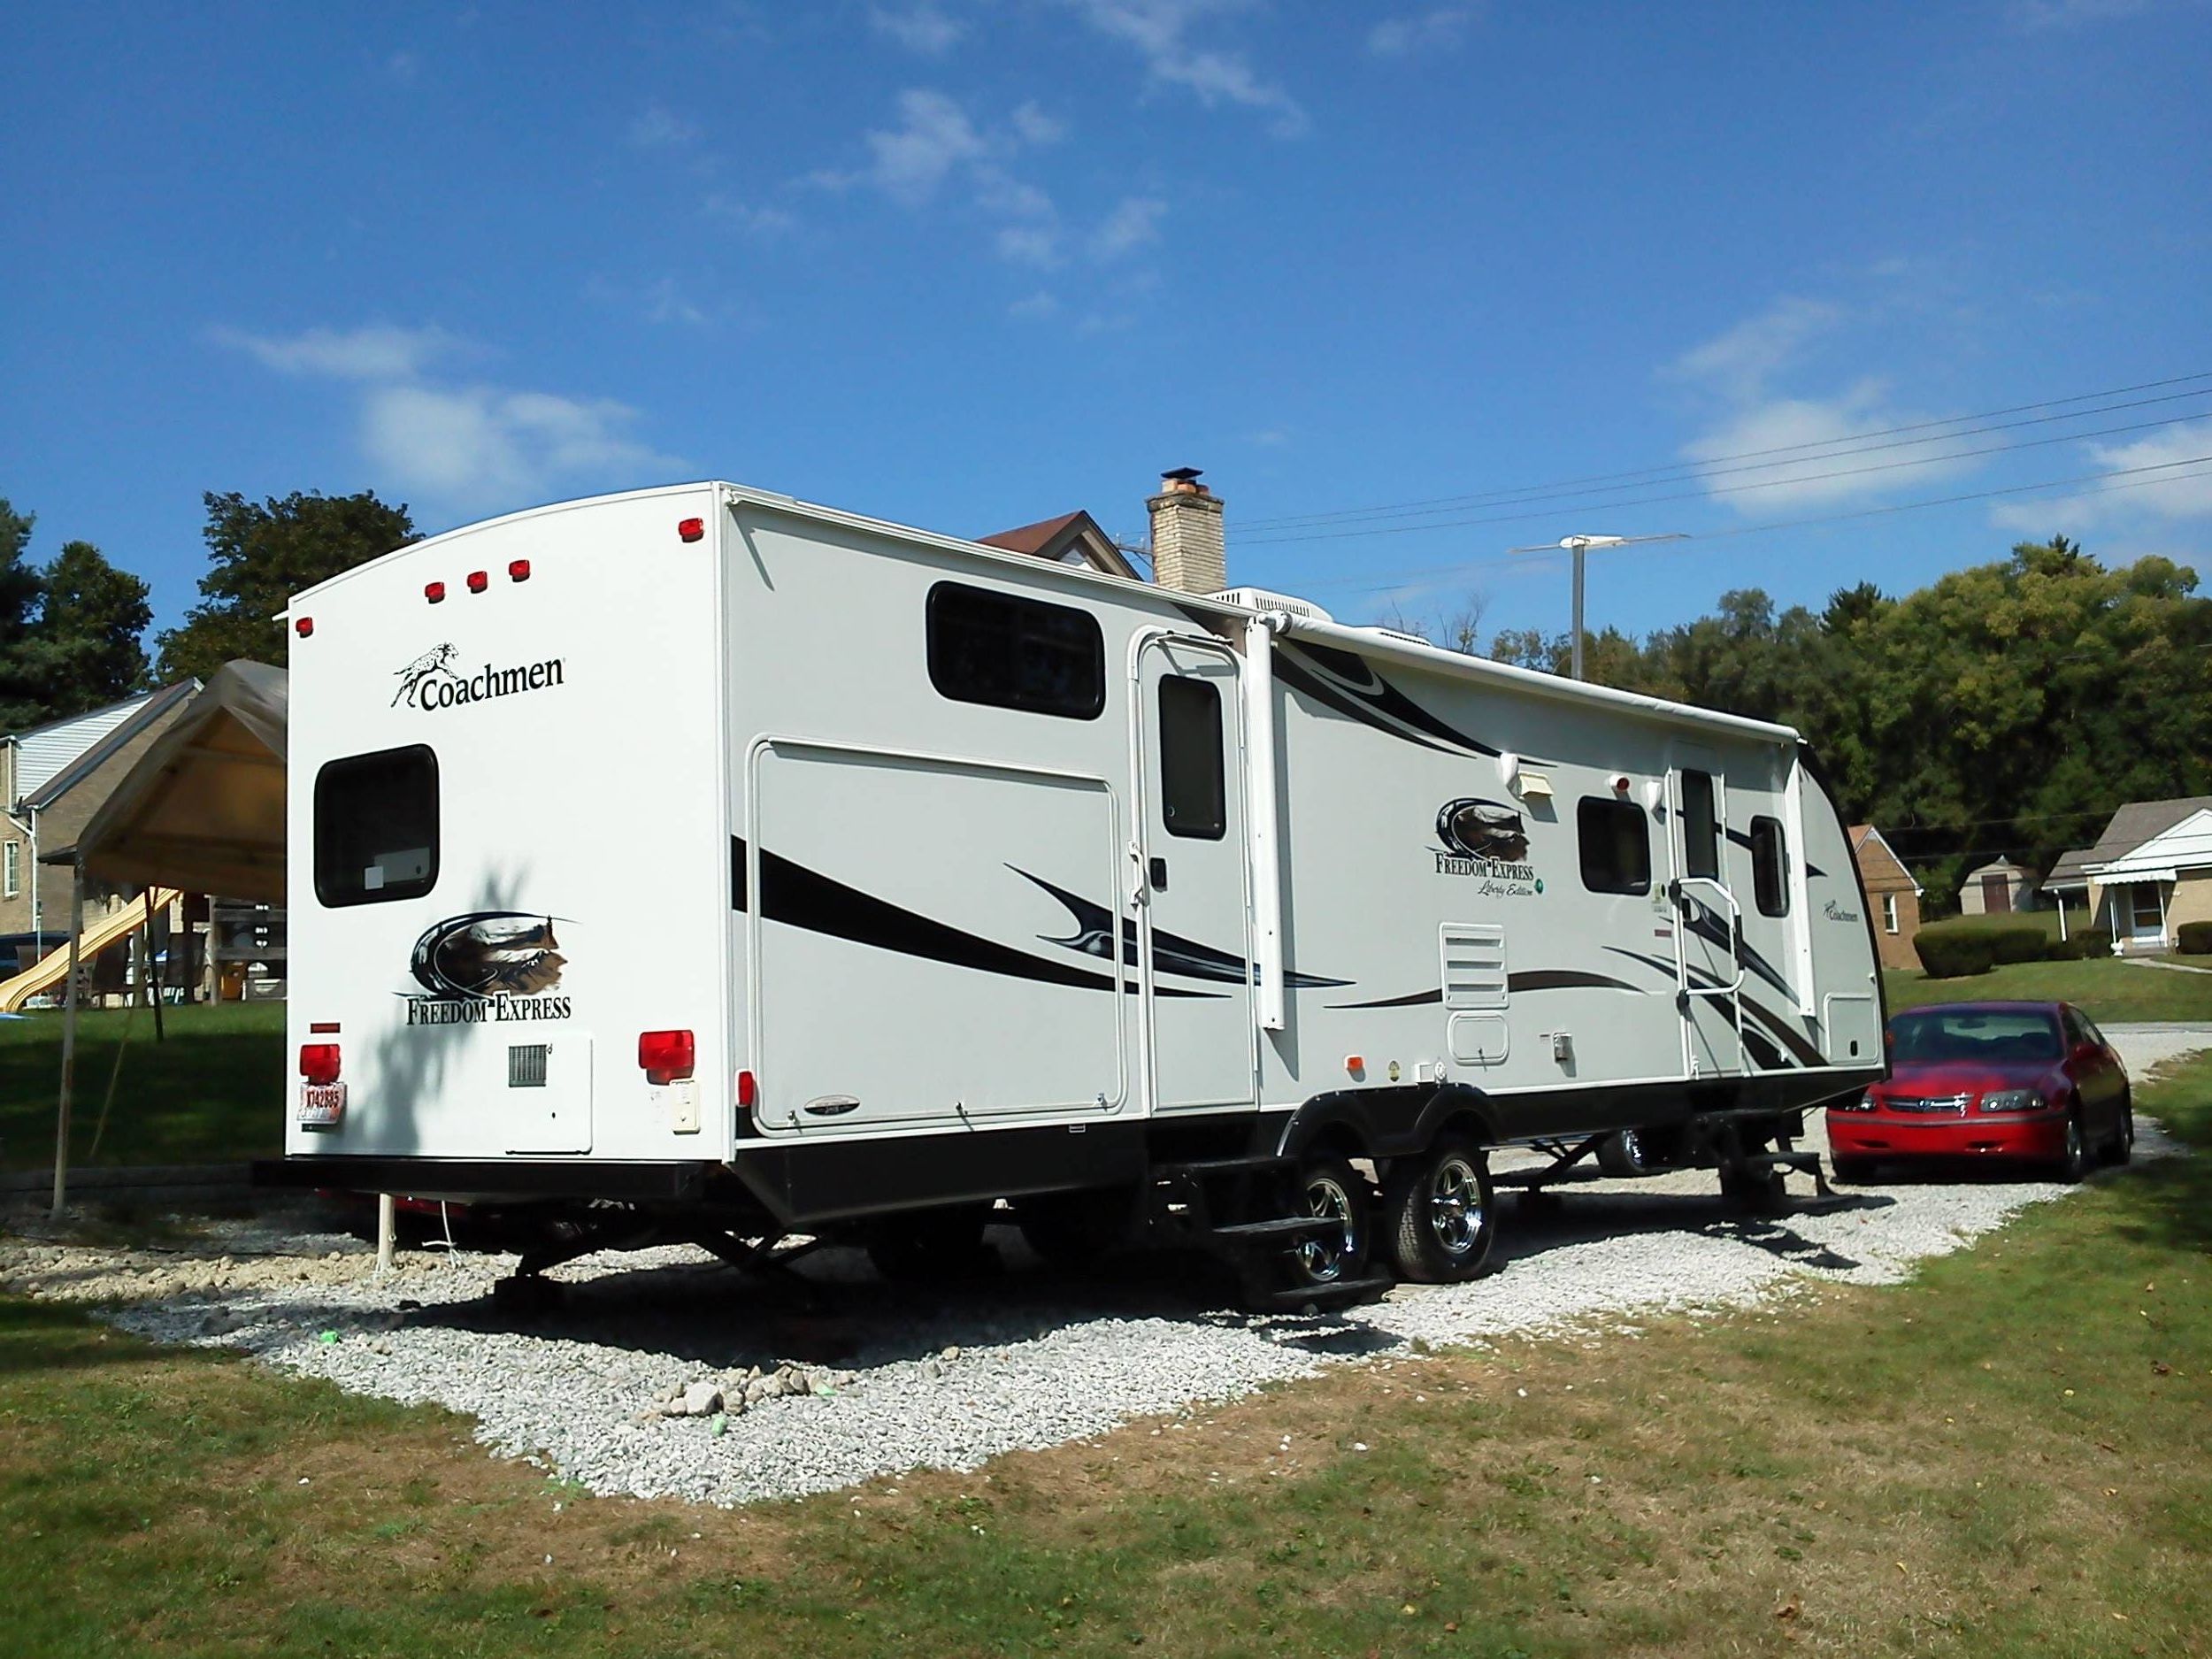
(1487, 830)
(436, 661)
(488, 954)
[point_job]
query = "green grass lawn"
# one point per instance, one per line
(2105, 988)
(2010, 1455)
(213, 1093)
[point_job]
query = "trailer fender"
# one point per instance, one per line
(1385, 1122)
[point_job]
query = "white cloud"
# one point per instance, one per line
(1159, 30)
(664, 303)
(912, 159)
(754, 220)
(1039, 304)
(1034, 126)
(403, 67)
(920, 28)
(2164, 485)
(1811, 428)
(1029, 244)
(375, 353)
(467, 446)
(1741, 361)
(1437, 30)
(1135, 221)
(2035, 16)
(659, 127)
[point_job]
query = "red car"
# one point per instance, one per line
(2024, 1083)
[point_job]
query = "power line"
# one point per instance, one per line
(1483, 497)
(1401, 576)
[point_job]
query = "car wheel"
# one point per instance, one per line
(1327, 1187)
(1853, 1171)
(2123, 1147)
(2073, 1162)
(1437, 1214)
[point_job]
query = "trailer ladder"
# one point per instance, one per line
(1732, 989)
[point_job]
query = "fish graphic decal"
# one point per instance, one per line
(487, 953)
(1475, 828)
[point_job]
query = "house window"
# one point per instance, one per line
(1769, 867)
(12, 870)
(1701, 827)
(376, 826)
(1889, 912)
(1615, 846)
(1009, 652)
(1193, 783)
(2148, 914)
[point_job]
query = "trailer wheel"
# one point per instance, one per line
(1437, 1214)
(1755, 1192)
(933, 1244)
(1626, 1154)
(1328, 1186)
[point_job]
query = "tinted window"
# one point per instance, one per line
(1615, 846)
(1193, 774)
(376, 826)
(1015, 653)
(1771, 867)
(1701, 827)
(1971, 1034)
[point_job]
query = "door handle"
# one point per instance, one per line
(1156, 873)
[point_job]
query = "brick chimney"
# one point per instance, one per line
(1188, 553)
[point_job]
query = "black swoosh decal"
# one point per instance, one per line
(1709, 925)
(1535, 980)
(1349, 685)
(800, 897)
(1412, 999)
(1171, 952)
(1774, 1023)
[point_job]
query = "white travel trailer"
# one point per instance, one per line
(699, 863)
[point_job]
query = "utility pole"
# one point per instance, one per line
(1579, 545)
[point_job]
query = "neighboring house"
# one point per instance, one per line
(1893, 893)
(2149, 871)
(1997, 889)
(1074, 538)
(52, 778)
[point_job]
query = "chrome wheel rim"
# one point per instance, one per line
(2073, 1145)
(1455, 1205)
(1323, 1258)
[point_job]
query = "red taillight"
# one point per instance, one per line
(518, 570)
(665, 1055)
(692, 529)
(318, 1062)
(433, 591)
(304, 627)
(479, 580)
(747, 1089)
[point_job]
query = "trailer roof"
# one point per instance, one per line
(1364, 640)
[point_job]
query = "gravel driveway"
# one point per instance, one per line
(893, 1379)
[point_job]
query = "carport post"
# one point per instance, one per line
(387, 1231)
(68, 1044)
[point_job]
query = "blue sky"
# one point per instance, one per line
(967, 264)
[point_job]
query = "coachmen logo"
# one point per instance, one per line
(488, 965)
(1486, 839)
(431, 681)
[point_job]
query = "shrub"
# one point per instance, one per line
(2196, 939)
(2016, 941)
(1953, 952)
(2086, 945)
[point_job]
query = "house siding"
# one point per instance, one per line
(1887, 879)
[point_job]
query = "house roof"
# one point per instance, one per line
(1074, 538)
(2000, 866)
(52, 759)
(2185, 845)
(2071, 869)
(2139, 821)
(1865, 835)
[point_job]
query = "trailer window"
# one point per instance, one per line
(1615, 846)
(1769, 867)
(1015, 653)
(376, 827)
(1193, 780)
(1701, 827)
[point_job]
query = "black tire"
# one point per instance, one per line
(1327, 1185)
(1439, 1214)
(2121, 1149)
(2073, 1162)
(1075, 1229)
(1852, 1171)
(1624, 1155)
(933, 1244)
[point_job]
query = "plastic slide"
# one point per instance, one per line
(48, 972)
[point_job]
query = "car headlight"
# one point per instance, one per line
(2012, 1100)
(1865, 1103)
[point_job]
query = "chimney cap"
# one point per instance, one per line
(1184, 475)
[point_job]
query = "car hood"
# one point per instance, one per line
(1966, 1077)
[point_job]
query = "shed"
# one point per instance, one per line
(1998, 888)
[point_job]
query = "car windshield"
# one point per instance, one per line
(1950, 1033)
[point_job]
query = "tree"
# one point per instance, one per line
(262, 553)
(1458, 630)
(20, 704)
(85, 649)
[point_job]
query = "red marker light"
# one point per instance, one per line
(692, 529)
(325, 1027)
(747, 1089)
(433, 591)
(1354, 1062)
(518, 570)
(665, 1055)
(304, 627)
(479, 580)
(318, 1062)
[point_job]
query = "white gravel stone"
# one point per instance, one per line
(829, 1377)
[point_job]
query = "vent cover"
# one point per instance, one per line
(525, 1064)
(1474, 964)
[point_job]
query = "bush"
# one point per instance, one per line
(2086, 945)
(1953, 952)
(2018, 942)
(2196, 939)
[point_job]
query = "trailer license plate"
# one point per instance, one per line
(322, 1105)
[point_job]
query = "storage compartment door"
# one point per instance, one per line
(548, 1100)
